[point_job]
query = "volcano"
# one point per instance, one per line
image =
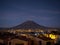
(29, 25)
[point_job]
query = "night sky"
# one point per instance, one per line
(43, 12)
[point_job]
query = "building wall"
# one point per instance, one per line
(17, 41)
(1, 41)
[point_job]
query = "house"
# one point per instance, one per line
(1, 41)
(17, 41)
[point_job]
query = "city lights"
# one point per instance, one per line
(52, 36)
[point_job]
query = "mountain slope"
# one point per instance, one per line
(29, 25)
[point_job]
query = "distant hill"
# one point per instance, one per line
(4, 28)
(29, 25)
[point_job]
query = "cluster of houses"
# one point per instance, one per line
(28, 38)
(13, 39)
